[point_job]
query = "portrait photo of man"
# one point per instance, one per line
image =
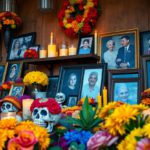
(126, 53)
(126, 92)
(91, 83)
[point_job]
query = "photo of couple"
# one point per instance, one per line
(119, 52)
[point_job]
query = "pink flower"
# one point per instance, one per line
(25, 140)
(143, 144)
(101, 139)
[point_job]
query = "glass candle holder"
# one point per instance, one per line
(43, 53)
(63, 51)
(72, 49)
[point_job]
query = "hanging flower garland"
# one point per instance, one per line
(76, 18)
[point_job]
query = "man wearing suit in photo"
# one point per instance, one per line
(126, 54)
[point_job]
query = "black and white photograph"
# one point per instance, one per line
(72, 101)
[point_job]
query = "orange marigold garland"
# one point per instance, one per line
(76, 18)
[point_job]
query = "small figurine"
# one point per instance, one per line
(11, 104)
(60, 98)
(45, 112)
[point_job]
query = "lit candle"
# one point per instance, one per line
(95, 42)
(51, 50)
(26, 103)
(51, 38)
(72, 50)
(8, 115)
(99, 101)
(63, 52)
(104, 96)
(43, 53)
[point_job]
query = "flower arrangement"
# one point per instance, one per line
(10, 19)
(6, 86)
(24, 135)
(76, 18)
(30, 53)
(35, 77)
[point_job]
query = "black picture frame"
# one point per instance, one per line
(17, 90)
(52, 86)
(13, 72)
(3, 69)
(72, 100)
(66, 72)
(146, 71)
(126, 90)
(121, 74)
(89, 43)
(24, 41)
(113, 49)
(145, 43)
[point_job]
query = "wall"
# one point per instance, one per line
(116, 15)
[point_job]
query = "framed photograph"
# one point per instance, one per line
(52, 86)
(93, 80)
(13, 71)
(3, 68)
(19, 45)
(86, 45)
(146, 71)
(17, 90)
(126, 91)
(131, 74)
(70, 80)
(120, 49)
(145, 43)
(72, 100)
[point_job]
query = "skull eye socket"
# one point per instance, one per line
(8, 106)
(43, 112)
(35, 111)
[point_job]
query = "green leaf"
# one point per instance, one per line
(81, 147)
(55, 148)
(95, 122)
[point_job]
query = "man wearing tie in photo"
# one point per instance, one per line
(126, 54)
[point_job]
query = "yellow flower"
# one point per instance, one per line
(146, 130)
(8, 123)
(68, 25)
(121, 115)
(130, 140)
(36, 77)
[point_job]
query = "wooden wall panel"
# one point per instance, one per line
(115, 15)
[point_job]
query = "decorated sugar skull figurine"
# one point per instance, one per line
(45, 112)
(60, 98)
(11, 104)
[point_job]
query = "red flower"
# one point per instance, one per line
(66, 3)
(30, 53)
(94, 13)
(79, 18)
(81, 7)
(70, 20)
(86, 28)
(95, 2)
(70, 32)
(61, 14)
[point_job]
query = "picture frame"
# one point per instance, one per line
(13, 72)
(52, 86)
(3, 69)
(131, 74)
(17, 90)
(86, 45)
(126, 91)
(120, 49)
(70, 78)
(93, 80)
(145, 43)
(146, 71)
(19, 44)
(72, 100)
(78, 75)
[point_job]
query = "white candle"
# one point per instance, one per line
(51, 38)
(72, 50)
(26, 103)
(43, 53)
(95, 42)
(8, 115)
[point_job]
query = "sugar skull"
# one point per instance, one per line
(60, 98)
(45, 112)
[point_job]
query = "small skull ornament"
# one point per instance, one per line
(45, 113)
(11, 104)
(60, 98)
